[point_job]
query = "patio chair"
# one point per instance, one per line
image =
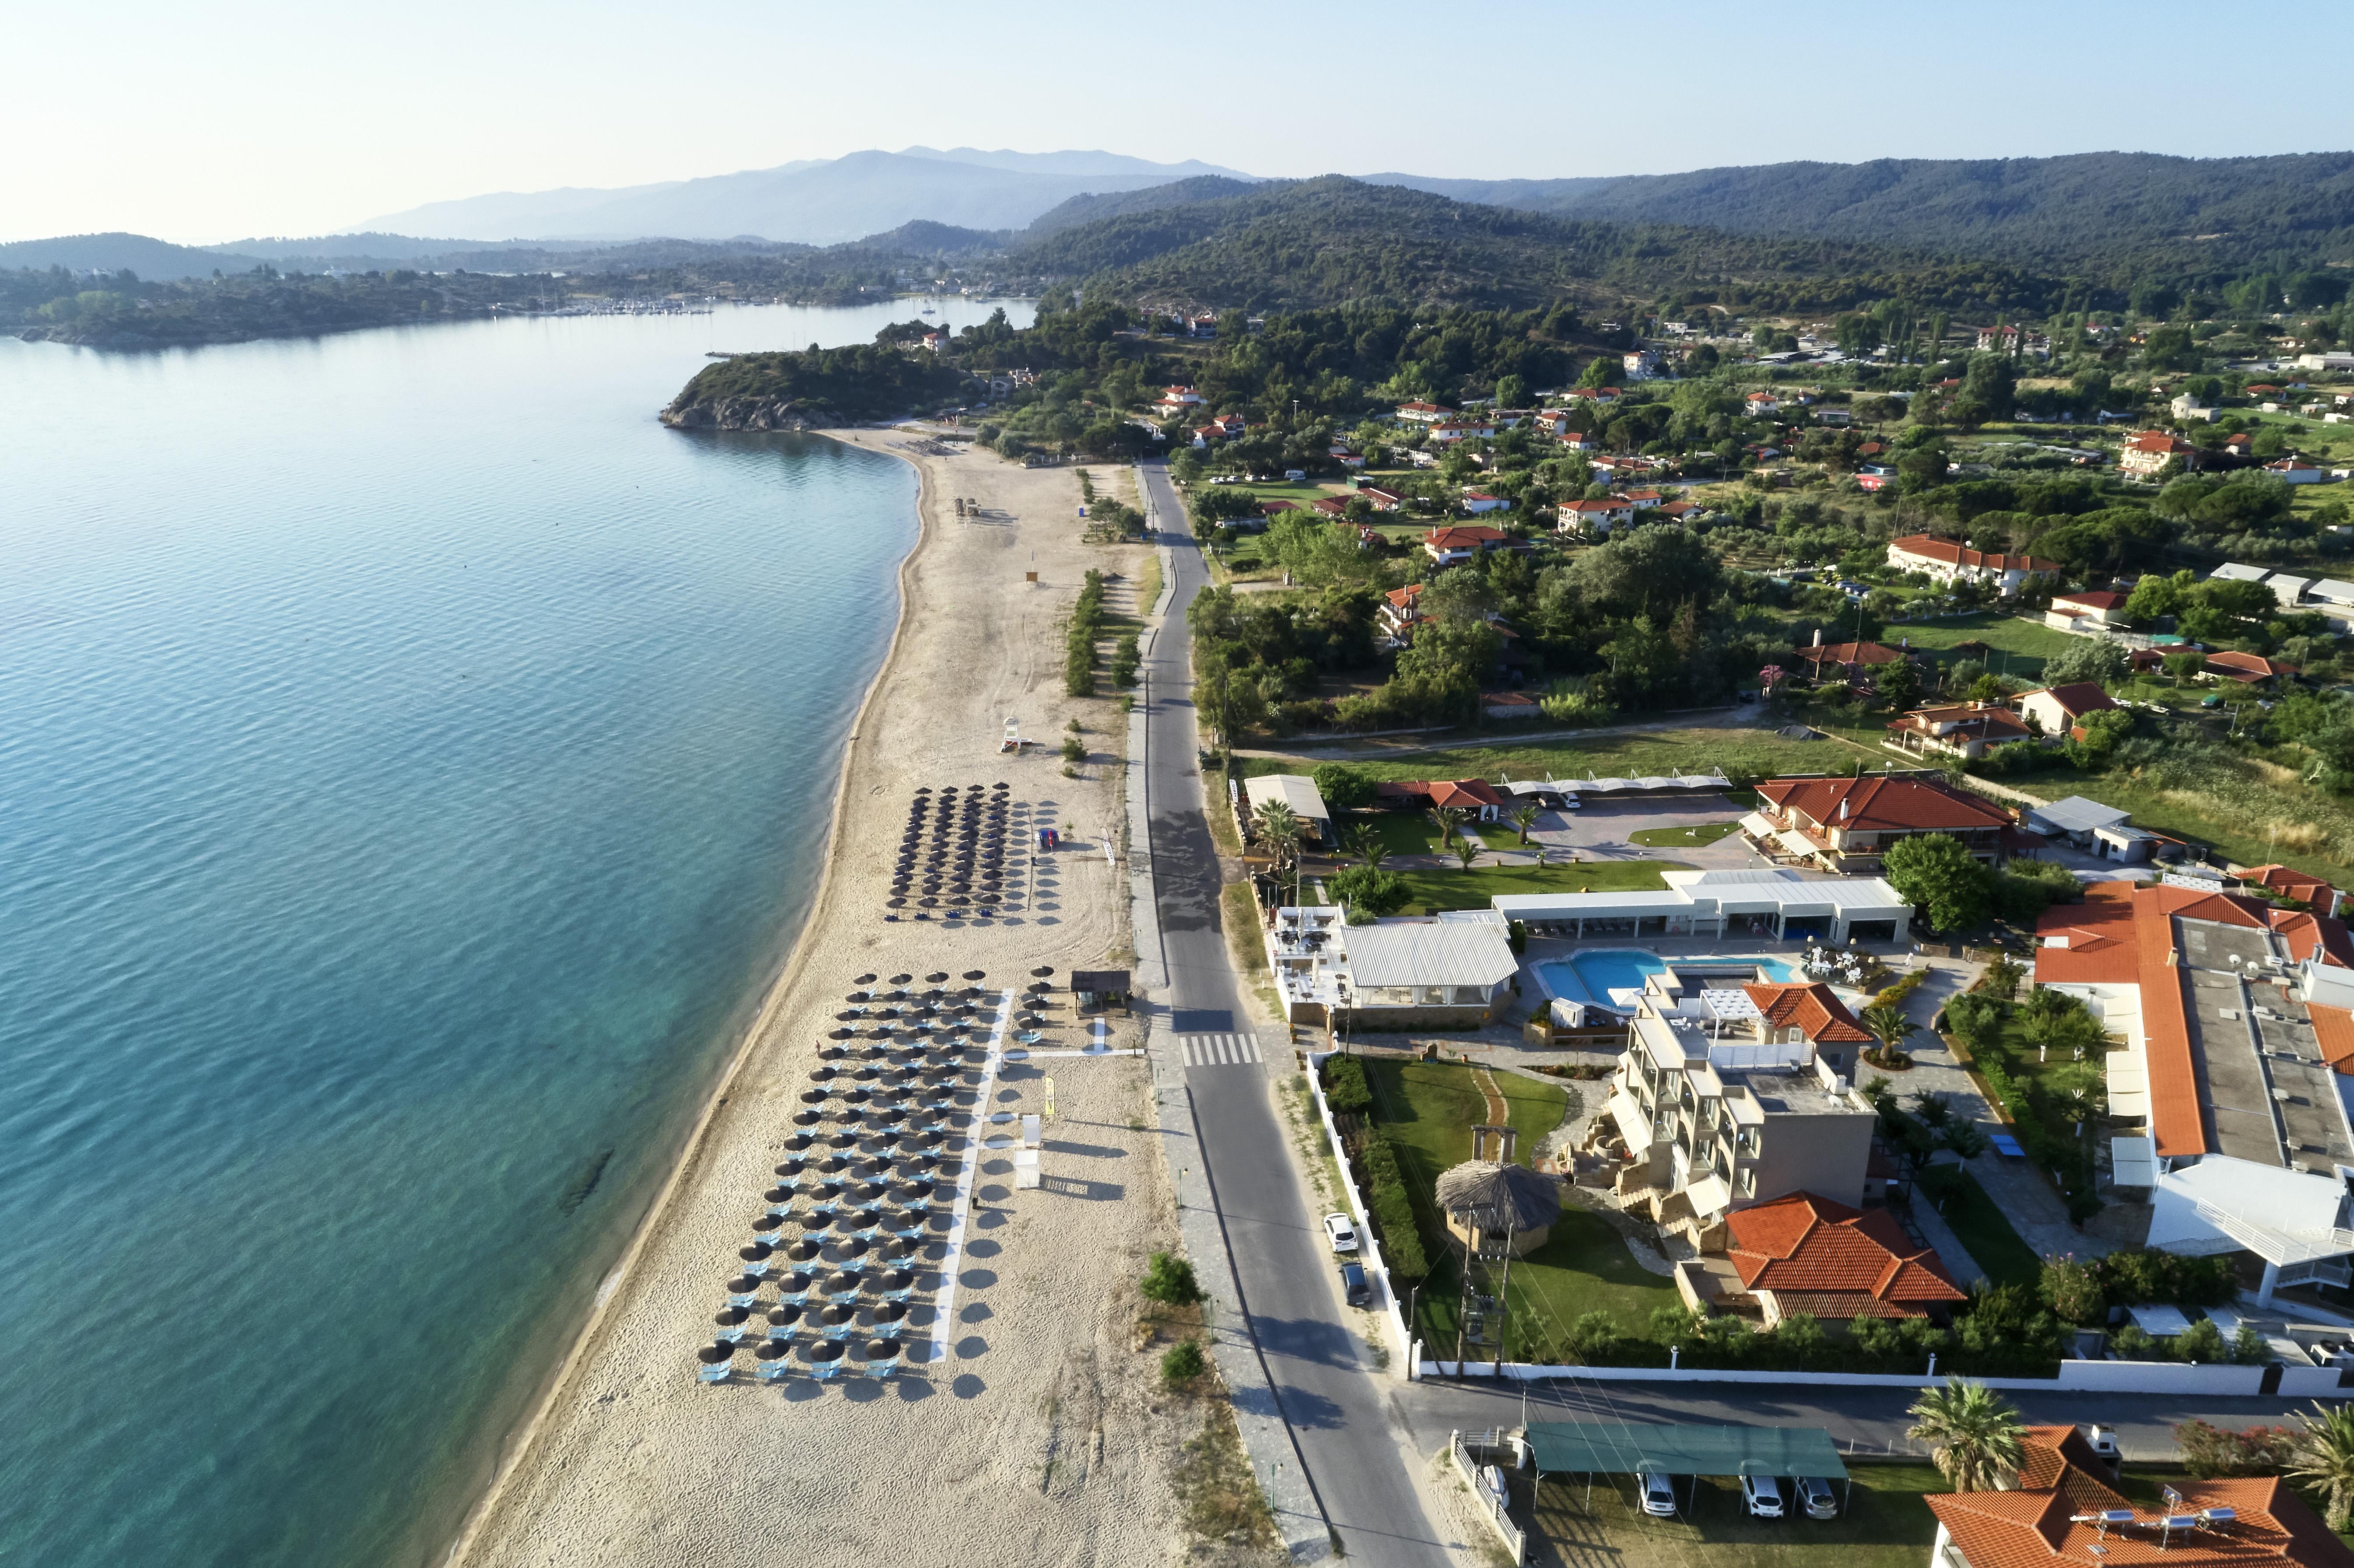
(1030, 1038)
(718, 1372)
(747, 1300)
(773, 1371)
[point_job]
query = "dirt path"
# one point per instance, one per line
(1499, 1113)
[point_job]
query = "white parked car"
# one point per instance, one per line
(1814, 1491)
(1341, 1233)
(1658, 1494)
(1762, 1496)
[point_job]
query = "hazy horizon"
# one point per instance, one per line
(261, 120)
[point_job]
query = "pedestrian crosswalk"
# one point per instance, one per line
(1218, 1050)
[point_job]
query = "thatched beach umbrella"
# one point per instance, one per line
(772, 1349)
(1481, 1195)
(901, 979)
(798, 1141)
(886, 1312)
(754, 1251)
(728, 1317)
(768, 1222)
(718, 1350)
(790, 1289)
(803, 1251)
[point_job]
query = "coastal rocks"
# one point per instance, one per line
(736, 414)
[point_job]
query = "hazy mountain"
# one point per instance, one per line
(2082, 206)
(1091, 163)
(815, 203)
(113, 252)
(1087, 209)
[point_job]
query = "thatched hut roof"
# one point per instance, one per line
(1498, 1197)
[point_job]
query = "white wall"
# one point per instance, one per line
(2089, 1377)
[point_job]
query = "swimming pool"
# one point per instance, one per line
(1590, 978)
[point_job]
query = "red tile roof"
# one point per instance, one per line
(2289, 883)
(2034, 1525)
(2160, 442)
(1814, 1008)
(2246, 666)
(1461, 793)
(2077, 698)
(1470, 535)
(1881, 804)
(1835, 1262)
(2104, 599)
(1848, 654)
(1957, 555)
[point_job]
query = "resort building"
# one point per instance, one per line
(1805, 1254)
(1722, 1104)
(2063, 1508)
(1295, 790)
(1949, 562)
(1956, 729)
(1758, 902)
(1482, 799)
(1450, 970)
(1847, 825)
(2234, 1023)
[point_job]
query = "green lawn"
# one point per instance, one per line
(1885, 1524)
(2020, 644)
(1457, 889)
(2253, 823)
(1658, 838)
(1986, 1235)
(1760, 751)
(1429, 1109)
(1401, 833)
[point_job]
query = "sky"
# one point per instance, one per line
(245, 118)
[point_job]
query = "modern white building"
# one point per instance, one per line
(1297, 791)
(1450, 970)
(1764, 901)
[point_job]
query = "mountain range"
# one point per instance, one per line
(815, 201)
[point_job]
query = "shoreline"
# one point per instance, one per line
(1039, 1368)
(516, 1445)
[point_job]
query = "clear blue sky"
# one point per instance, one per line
(243, 117)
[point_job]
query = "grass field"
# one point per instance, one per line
(1884, 1525)
(1669, 838)
(1459, 889)
(1986, 1235)
(1645, 752)
(1429, 1109)
(2289, 822)
(2021, 645)
(1401, 833)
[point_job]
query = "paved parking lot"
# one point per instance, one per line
(1604, 830)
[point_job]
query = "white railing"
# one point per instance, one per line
(2263, 1240)
(1378, 1268)
(1515, 1539)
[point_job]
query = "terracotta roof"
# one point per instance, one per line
(1983, 720)
(1403, 598)
(2247, 666)
(2076, 699)
(2290, 883)
(1881, 804)
(1958, 554)
(1824, 1257)
(2033, 1525)
(2104, 599)
(1615, 503)
(1815, 1008)
(2158, 442)
(1460, 792)
(1465, 537)
(1848, 654)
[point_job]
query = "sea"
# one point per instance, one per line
(415, 765)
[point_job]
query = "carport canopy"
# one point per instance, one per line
(1682, 1448)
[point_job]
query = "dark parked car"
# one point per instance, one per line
(1354, 1286)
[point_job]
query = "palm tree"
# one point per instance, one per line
(2324, 1456)
(1369, 847)
(1447, 817)
(1466, 850)
(1889, 1025)
(1523, 817)
(1974, 1435)
(1281, 827)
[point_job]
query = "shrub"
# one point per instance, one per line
(1345, 1088)
(1392, 1210)
(2210, 1451)
(1344, 788)
(2202, 1342)
(1367, 893)
(1074, 749)
(2073, 1290)
(1086, 624)
(1170, 1280)
(1184, 1362)
(1124, 661)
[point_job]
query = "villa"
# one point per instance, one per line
(1847, 824)
(1949, 562)
(1805, 1254)
(1957, 729)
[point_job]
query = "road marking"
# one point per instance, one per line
(1219, 1050)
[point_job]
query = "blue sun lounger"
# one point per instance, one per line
(718, 1372)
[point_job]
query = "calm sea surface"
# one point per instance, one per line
(414, 760)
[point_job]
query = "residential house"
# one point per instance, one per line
(1643, 499)
(1725, 1100)
(1453, 546)
(1296, 792)
(1804, 1253)
(2062, 1508)
(2060, 710)
(2294, 471)
(1581, 441)
(2245, 669)
(1845, 661)
(1383, 499)
(1332, 507)
(1509, 705)
(1399, 613)
(1452, 971)
(1847, 825)
(1176, 400)
(1424, 413)
(1594, 396)
(2104, 831)
(1553, 422)
(2187, 408)
(1477, 796)
(1642, 364)
(2146, 455)
(1593, 517)
(1957, 729)
(1760, 405)
(2089, 613)
(1446, 431)
(1347, 458)
(1948, 562)
(1478, 502)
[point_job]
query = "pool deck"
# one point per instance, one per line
(1674, 950)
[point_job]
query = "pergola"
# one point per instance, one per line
(1592, 1448)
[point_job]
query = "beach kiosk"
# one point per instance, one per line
(1100, 988)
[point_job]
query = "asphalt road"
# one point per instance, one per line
(1340, 1408)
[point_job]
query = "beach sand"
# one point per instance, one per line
(1042, 1437)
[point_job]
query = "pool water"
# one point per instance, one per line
(1592, 977)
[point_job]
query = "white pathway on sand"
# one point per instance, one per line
(944, 1305)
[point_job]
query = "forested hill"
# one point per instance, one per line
(1315, 243)
(2286, 212)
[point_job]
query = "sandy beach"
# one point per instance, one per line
(1043, 1436)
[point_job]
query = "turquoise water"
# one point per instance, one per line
(1592, 977)
(414, 761)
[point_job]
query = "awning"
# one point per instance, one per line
(1621, 1447)
(1758, 825)
(1793, 842)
